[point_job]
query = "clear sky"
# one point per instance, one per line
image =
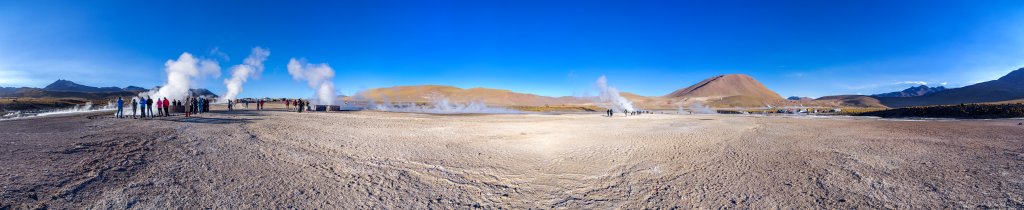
(555, 48)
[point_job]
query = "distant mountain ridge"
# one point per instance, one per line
(68, 89)
(1006, 88)
(913, 91)
(69, 86)
(731, 90)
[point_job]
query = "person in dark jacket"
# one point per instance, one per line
(149, 104)
(135, 104)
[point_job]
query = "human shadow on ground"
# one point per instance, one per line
(212, 120)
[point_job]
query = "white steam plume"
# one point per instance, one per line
(317, 76)
(441, 105)
(182, 75)
(700, 108)
(251, 67)
(610, 97)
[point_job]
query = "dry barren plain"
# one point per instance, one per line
(366, 159)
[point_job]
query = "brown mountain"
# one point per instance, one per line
(728, 91)
(849, 101)
(725, 91)
(425, 93)
(727, 85)
(1009, 87)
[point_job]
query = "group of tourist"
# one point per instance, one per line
(196, 105)
(299, 104)
(143, 107)
(245, 104)
(611, 112)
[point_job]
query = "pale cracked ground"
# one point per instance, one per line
(575, 161)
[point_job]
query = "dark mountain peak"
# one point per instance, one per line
(134, 88)
(63, 84)
(203, 92)
(1005, 88)
(912, 91)
(1015, 76)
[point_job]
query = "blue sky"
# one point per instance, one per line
(555, 48)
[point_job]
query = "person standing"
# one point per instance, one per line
(142, 107)
(159, 108)
(134, 105)
(188, 107)
(120, 108)
(200, 103)
(167, 108)
(149, 104)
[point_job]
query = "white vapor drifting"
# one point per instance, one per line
(182, 74)
(251, 67)
(610, 97)
(441, 105)
(317, 76)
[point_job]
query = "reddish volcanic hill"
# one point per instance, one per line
(728, 85)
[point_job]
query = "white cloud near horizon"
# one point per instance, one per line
(912, 83)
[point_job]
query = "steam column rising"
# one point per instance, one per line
(317, 76)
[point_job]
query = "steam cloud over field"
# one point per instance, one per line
(251, 67)
(610, 98)
(182, 74)
(317, 76)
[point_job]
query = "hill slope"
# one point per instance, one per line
(426, 93)
(725, 86)
(1009, 87)
(69, 86)
(729, 90)
(913, 91)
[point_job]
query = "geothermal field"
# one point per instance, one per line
(370, 159)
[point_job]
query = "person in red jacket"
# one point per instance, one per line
(167, 107)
